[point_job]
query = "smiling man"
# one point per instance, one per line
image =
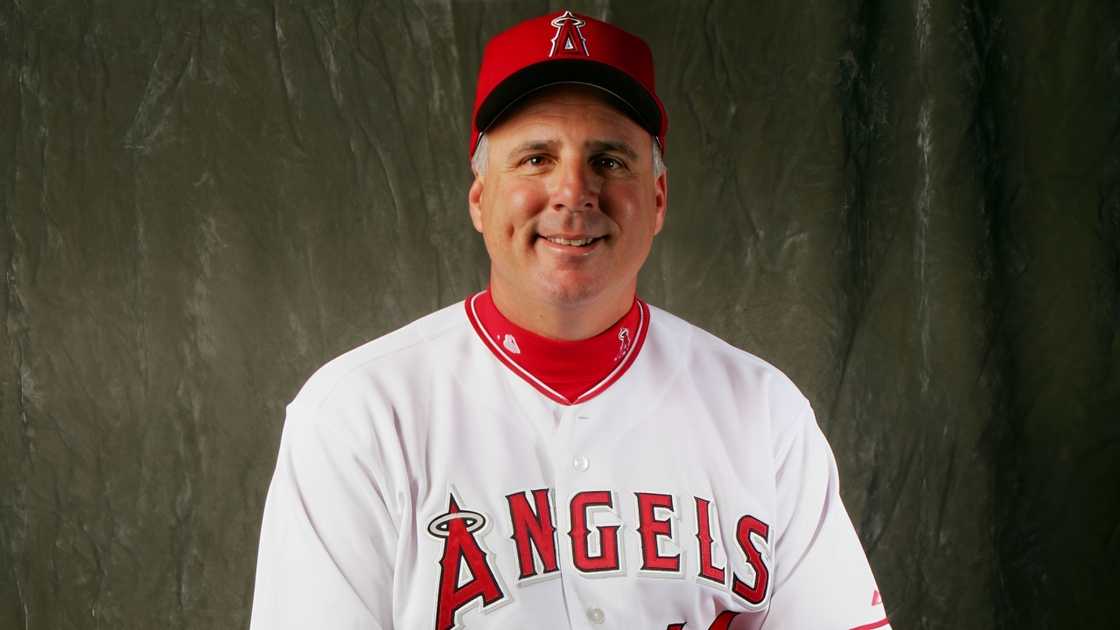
(553, 452)
(568, 201)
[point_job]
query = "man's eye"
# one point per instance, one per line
(536, 160)
(608, 163)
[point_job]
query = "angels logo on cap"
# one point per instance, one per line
(569, 34)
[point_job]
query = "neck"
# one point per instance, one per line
(557, 320)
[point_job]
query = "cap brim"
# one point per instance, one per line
(630, 96)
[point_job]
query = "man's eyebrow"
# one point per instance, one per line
(592, 146)
(530, 146)
(617, 146)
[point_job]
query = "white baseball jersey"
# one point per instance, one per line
(425, 482)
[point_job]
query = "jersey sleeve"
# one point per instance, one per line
(822, 577)
(328, 537)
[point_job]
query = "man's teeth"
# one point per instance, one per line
(579, 242)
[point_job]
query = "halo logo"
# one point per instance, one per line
(568, 37)
(623, 344)
(461, 549)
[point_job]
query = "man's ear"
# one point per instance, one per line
(474, 202)
(660, 200)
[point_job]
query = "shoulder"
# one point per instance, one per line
(713, 362)
(344, 427)
(397, 354)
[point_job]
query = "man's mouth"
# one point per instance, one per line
(573, 242)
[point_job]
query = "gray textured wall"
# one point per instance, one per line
(913, 208)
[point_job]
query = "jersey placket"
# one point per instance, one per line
(555, 428)
(574, 469)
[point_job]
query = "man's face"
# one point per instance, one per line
(568, 205)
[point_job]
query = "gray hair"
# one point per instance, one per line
(482, 154)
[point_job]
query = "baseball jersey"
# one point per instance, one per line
(425, 481)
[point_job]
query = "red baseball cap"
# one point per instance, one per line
(565, 47)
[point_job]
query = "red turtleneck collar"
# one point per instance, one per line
(568, 372)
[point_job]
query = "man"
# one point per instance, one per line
(553, 452)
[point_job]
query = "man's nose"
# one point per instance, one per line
(576, 187)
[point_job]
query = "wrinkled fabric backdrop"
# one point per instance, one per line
(912, 208)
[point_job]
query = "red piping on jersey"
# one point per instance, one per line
(568, 372)
(871, 626)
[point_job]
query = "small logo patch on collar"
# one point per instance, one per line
(509, 342)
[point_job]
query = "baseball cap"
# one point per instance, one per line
(565, 47)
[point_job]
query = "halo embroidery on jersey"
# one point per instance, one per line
(509, 342)
(623, 344)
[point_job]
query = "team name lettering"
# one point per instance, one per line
(608, 557)
(752, 534)
(651, 528)
(708, 570)
(467, 576)
(460, 548)
(533, 531)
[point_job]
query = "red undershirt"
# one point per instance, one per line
(568, 372)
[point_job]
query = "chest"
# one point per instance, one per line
(648, 509)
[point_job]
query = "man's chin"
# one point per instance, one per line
(572, 291)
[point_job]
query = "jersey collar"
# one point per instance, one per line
(568, 372)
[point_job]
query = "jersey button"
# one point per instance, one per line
(581, 463)
(596, 615)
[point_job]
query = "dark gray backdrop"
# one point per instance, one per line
(913, 208)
